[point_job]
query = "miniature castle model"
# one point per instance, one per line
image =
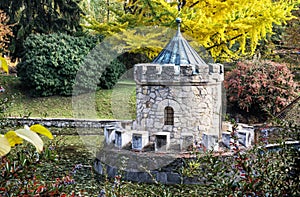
(178, 105)
(179, 98)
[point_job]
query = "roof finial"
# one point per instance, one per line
(178, 21)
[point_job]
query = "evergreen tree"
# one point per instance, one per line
(40, 16)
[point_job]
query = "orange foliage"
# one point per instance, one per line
(5, 31)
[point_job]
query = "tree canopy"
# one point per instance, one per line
(228, 29)
(5, 32)
(40, 16)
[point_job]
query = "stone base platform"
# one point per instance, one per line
(146, 167)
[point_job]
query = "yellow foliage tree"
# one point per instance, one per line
(228, 29)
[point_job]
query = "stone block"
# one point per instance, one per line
(145, 90)
(109, 134)
(203, 69)
(122, 138)
(167, 72)
(226, 126)
(216, 68)
(186, 70)
(139, 139)
(186, 140)
(144, 177)
(210, 141)
(245, 127)
(226, 138)
(173, 178)
(98, 166)
(111, 171)
(132, 176)
(161, 177)
(174, 145)
(162, 141)
(138, 72)
(151, 72)
(244, 138)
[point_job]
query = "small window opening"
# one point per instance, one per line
(137, 141)
(169, 116)
(161, 142)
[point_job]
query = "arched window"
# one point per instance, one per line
(169, 116)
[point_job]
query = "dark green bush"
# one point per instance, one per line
(51, 62)
(52, 65)
(111, 74)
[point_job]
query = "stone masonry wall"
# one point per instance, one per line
(68, 122)
(194, 97)
(192, 109)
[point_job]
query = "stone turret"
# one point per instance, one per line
(179, 96)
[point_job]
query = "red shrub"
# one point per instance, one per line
(260, 87)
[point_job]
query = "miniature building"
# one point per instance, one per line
(122, 138)
(179, 94)
(139, 139)
(162, 141)
(109, 133)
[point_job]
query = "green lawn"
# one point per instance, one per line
(104, 105)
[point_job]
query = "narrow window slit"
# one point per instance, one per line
(169, 116)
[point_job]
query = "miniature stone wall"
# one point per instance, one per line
(69, 122)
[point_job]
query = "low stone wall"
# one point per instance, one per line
(165, 175)
(67, 122)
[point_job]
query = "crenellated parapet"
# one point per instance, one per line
(170, 74)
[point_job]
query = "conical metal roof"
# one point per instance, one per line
(178, 51)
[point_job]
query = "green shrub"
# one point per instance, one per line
(259, 171)
(52, 65)
(51, 62)
(259, 88)
(111, 74)
(23, 173)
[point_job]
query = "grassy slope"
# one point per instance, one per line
(58, 106)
